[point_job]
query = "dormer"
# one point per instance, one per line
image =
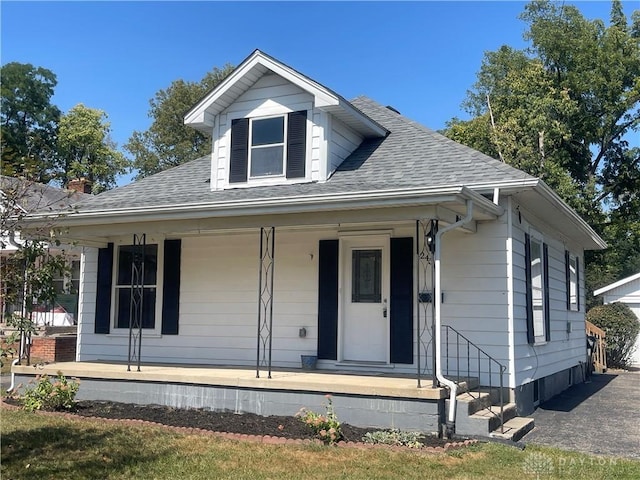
(271, 125)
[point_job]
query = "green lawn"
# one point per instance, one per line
(43, 447)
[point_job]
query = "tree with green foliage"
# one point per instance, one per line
(28, 281)
(28, 121)
(621, 326)
(86, 150)
(562, 110)
(168, 142)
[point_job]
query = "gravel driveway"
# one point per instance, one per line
(600, 417)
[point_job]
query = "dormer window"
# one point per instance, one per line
(265, 147)
(266, 155)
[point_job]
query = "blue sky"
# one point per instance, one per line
(419, 57)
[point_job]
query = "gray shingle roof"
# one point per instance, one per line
(410, 156)
(33, 196)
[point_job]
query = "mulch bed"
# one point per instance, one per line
(243, 425)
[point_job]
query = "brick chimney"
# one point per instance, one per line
(81, 185)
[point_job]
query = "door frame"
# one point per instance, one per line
(363, 239)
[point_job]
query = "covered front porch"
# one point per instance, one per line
(320, 381)
(382, 400)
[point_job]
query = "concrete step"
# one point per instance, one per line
(470, 402)
(514, 429)
(466, 385)
(489, 418)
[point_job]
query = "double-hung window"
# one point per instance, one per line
(267, 150)
(572, 266)
(124, 276)
(159, 291)
(537, 283)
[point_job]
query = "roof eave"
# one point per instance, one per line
(597, 243)
(589, 238)
(279, 205)
(201, 116)
(617, 284)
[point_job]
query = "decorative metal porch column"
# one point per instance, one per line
(26, 312)
(136, 305)
(425, 247)
(265, 299)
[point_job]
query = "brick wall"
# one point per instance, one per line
(54, 349)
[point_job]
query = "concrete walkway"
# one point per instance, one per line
(600, 417)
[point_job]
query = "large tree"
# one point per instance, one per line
(168, 142)
(563, 110)
(29, 121)
(86, 150)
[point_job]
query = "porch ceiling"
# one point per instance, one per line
(379, 385)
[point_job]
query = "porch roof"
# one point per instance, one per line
(329, 382)
(411, 166)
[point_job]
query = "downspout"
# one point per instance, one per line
(14, 243)
(453, 387)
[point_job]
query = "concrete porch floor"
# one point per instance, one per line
(317, 381)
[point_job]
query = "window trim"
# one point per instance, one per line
(542, 335)
(283, 144)
(572, 280)
(225, 141)
(159, 285)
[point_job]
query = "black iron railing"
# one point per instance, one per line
(465, 361)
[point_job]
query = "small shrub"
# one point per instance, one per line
(394, 437)
(621, 326)
(47, 395)
(326, 427)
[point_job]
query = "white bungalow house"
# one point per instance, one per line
(625, 291)
(338, 229)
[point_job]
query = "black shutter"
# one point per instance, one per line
(531, 338)
(567, 277)
(103, 294)
(401, 307)
(297, 144)
(171, 287)
(578, 282)
(328, 300)
(547, 303)
(239, 150)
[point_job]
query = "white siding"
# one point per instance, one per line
(343, 142)
(330, 141)
(270, 95)
(219, 297)
(87, 301)
(218, 304)
(567, 346)
(475, 290)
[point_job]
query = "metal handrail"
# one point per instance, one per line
(481, 354)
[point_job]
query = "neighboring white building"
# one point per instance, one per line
(350, 191)
(626, 291)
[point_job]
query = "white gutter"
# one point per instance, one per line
(552, 197)
(453, 387)
(277, 205)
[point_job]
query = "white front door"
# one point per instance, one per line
(365, 287)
